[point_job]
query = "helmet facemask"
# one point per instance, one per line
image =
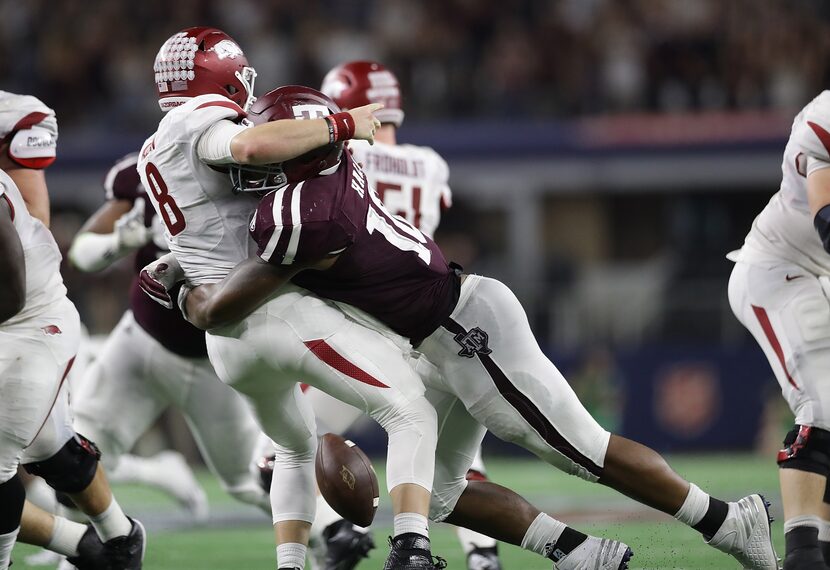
(261, 178)
(247, 77)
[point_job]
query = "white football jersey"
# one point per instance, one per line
(44, 285)
(206, 224)
(412, 181)
(784, 228)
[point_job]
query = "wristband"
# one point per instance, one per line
(184, 291)
(341, 127)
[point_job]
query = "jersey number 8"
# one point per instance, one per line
(169, 210)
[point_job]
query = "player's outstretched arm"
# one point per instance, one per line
(12, 266)
(249, 285)
(114, 230)
(278, 141)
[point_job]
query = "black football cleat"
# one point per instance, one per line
(345, 546)
(484, 559)
(127, 552)
(411, 551)
(91, 552)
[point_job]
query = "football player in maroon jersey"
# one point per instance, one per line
(478, 356)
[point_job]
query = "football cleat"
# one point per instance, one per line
(484, 559)
(43, 558)
(126, 552)
(596, 554)
(411, 551)
(91, 553)
(746, 535)
(345, 546)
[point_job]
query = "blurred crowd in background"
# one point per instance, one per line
(615, 254)
(465, 58)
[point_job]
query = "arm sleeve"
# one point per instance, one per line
(214, 146)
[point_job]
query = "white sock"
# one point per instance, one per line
(542, 533)
(803, 520)
(112, 523)
(324, 516)
(291, 555)
(471, 540)
(694, 507)
(6, 544)
(411, 522)
(66, 535)
(824, 531)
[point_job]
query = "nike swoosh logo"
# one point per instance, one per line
(790, 278)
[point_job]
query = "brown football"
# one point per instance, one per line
(347, 479)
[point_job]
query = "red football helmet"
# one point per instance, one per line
(359, 83)
(198, 61)
(289, 102)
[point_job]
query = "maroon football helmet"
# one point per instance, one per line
(288, 102)
(199, 61)
(359, 83)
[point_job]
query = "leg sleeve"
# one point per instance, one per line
(459, 439)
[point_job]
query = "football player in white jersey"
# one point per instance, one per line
(780, 290)
(204, 82)
(154, 359)
(39, 335)
(412, 182)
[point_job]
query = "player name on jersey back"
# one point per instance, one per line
(411, 181)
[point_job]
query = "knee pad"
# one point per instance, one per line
(71, 469)
(806, 448)
(12, 497)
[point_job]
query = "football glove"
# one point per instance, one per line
(160, 277)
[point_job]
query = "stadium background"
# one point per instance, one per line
(604, 154)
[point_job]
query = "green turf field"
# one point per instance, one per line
(238, 538)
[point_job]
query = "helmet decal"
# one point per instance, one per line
(174, 63)
(227, 48)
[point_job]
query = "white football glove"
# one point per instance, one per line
(130, 231)
(158, 278)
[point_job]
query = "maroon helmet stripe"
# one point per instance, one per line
(763, 319)
(227, 104)
(325, 352)
(527, 409)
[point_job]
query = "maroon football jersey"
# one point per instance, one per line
(168, 327)
(385, 266)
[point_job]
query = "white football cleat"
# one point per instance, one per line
(596, 554)
(746, 536)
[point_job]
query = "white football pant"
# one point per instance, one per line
(299, 337)
(35, 357)
(485, 371)
(788, 312)
(135, 378)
